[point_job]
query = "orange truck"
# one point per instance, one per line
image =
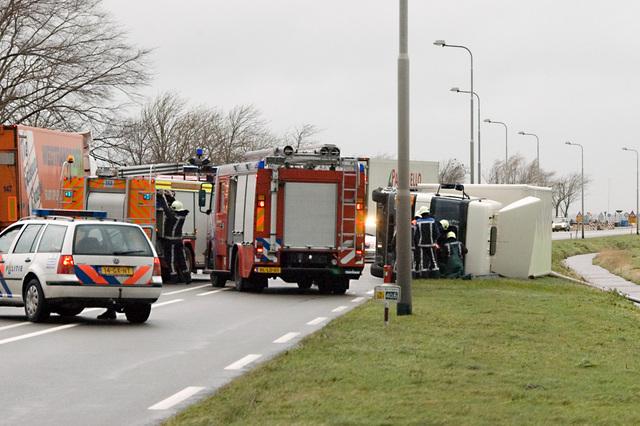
(32, 163)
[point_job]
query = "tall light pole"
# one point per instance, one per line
(582, 183)
(403, 221)
(537, 147)
(443, 44)
(637, 184)
(506, 146)
(457, 90)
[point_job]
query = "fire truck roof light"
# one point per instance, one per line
(261, 164)
(361, 168)
(70, 213)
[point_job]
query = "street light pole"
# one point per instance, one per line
(403, 222)
(537, 147)
(637, 185)
(506, 146)
(457, 90)
(443, 44)
(582, 183)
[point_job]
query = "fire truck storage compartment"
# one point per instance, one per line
(111, 202)
(310, 215)
(242, 216)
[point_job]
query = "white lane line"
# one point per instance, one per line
(206, 293)
(317, 321)
(243, 362)
(176, 398)
(357, 299)
(285, 338)
(339, 308)
(184, 290)
(20, 324)
(168, 302)
(370, 293)
(37, 333)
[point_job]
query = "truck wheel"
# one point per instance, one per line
(242, 284)
(324, 286)
(137, 313)
(341, 286)
(35, 305)
(259, 284)
(218, 280)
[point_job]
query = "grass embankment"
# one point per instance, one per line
(474, 352)
(619, 255)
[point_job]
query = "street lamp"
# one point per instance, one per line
(537, 147)
(457, 90)
(442, 43)
(637, 184)
(506, 146)
(582, 183)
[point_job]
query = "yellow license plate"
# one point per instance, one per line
(269, 269)
(116, 270)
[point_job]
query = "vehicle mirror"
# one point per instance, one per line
(202, 198)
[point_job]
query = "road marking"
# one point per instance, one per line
(370, 293)
(285, 338)
(184, 290)
(176, 398)
(340, 308)
(317, 321)
(20, 324)
(242, 362)
(168, 302)
(357, 299)
(37, 333)
(206, 293)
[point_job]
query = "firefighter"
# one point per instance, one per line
(453, 254)
(171, 240)
(428, 230)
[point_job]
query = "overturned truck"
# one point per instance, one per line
(506, 228)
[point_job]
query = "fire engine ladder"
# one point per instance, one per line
(350, 178)
(153, 169)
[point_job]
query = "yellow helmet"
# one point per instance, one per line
(451, 234)
(177, 206)
(445, 224)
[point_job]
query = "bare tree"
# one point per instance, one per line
(566, 190)
(64, 63)
(518, 171)
(301, 136)
(451, 171)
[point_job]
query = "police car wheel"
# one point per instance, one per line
(35, 305)
(137, 313)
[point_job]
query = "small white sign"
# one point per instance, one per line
(387, 292)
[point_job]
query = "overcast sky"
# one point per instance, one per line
(565, 70)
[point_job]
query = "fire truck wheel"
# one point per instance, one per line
(188, 257)
(324, 286)
(305, 284)
(259, 283)
(242, 284)
(137, 313)
(340, 287)
(218, 280)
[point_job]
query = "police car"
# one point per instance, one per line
(62, 261)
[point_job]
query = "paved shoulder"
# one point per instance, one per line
(600, 278)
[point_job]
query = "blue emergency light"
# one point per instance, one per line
(97, 214)
(68, 194)
(146, 196)
(261, 164)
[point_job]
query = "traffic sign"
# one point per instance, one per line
(387, 292)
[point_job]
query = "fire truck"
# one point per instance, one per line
(296, 215)
(130, 194)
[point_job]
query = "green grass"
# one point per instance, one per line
(566, 248)
(474, 352)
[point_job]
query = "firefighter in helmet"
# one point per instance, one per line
(171, 238)
(428, 230)
(453, 252)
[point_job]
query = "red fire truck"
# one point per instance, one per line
(294, 215)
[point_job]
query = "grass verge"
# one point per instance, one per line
(474, 352)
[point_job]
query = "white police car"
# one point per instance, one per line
(55, 262)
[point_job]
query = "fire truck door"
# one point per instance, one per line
(9, 187)
(112, 203)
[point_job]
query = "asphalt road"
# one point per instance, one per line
(564, 235)
(86, 371)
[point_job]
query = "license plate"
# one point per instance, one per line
(116, 270)
(269, 269)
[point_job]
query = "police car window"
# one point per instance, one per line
(7, 238)
(116, 240)
(52, 239)
(27, 241)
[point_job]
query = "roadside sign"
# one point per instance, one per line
(387, 292)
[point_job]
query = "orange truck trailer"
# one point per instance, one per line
(31, 166)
